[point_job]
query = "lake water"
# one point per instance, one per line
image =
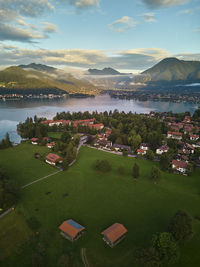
(13, 112)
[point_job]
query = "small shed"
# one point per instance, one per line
(114, 234)
(71, 230)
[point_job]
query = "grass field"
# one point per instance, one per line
(56, 135)
(96, 201)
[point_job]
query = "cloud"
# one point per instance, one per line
(49, 27)
(163, 3)
(29, 8)
(137, 59)
(149, 17)
(123, 24)
(85, 3)
(12, 33)
(189, 56)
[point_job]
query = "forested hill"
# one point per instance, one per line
(173, 69)
(16, 78)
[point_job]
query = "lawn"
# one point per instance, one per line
(55, 135)
(97, 200)
(21, 164)
(14, 232)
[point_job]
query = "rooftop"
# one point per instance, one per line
(114, 232)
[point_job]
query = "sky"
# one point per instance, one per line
(126, 35)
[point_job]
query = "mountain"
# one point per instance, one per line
(173, 69)
(16, 79)
(105, 71)
(39, 67)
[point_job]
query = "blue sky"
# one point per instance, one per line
(127, 35)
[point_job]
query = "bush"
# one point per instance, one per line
(102, 165)
(181, 226)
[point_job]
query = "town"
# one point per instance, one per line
(176, 142)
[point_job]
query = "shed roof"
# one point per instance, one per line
(114, 232)
(71, 228)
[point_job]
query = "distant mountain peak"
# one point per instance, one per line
(37, 66)
(105, 71)
(173, 69)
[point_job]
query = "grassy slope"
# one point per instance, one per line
(14, 232)
(17, 78)
(21, 165)
(97, 201)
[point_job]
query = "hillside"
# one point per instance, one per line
(173, 69)
(15, 78)
(39, 67)
(105, 71)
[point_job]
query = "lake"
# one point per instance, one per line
(13, 112)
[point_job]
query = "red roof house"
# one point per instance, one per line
(114, 234)
(52, 159)
(34, 140)
(71, 230)
(180, 166)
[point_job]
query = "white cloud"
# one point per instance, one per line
(137, 59)
(13, 33)
(49, 27)
(86, 3)
(149, 17)
(163, 3)
(123, 24)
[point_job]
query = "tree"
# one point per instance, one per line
(65, 137)
(155, 174)
(150, 154)
(102, 165)
(65, 164)
(181, 227)
(164, 162)
(166, 247)
(136, 170)
(147, 257)
(7, 140)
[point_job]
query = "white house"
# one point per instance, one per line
(180, 166)
(162, 149)
(144, 146)
(174, 135)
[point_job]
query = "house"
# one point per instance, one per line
(141, 151)
(52, 159)
(144, 146)
(190, 148)
(98, 126)
(194, 137)
(162, 149)
(71, 230)
(180, 166)
(187, 119)
(34, 140)
(104, 143)
(50, 145)
(114, 234)
(119, 147)
(56, 122)
(174, 135)
(86, 122)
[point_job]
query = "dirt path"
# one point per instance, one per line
(84, 257)
(40, 179)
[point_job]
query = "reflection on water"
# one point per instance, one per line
(12, 112)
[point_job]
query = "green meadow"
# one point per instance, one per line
(96, 201)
